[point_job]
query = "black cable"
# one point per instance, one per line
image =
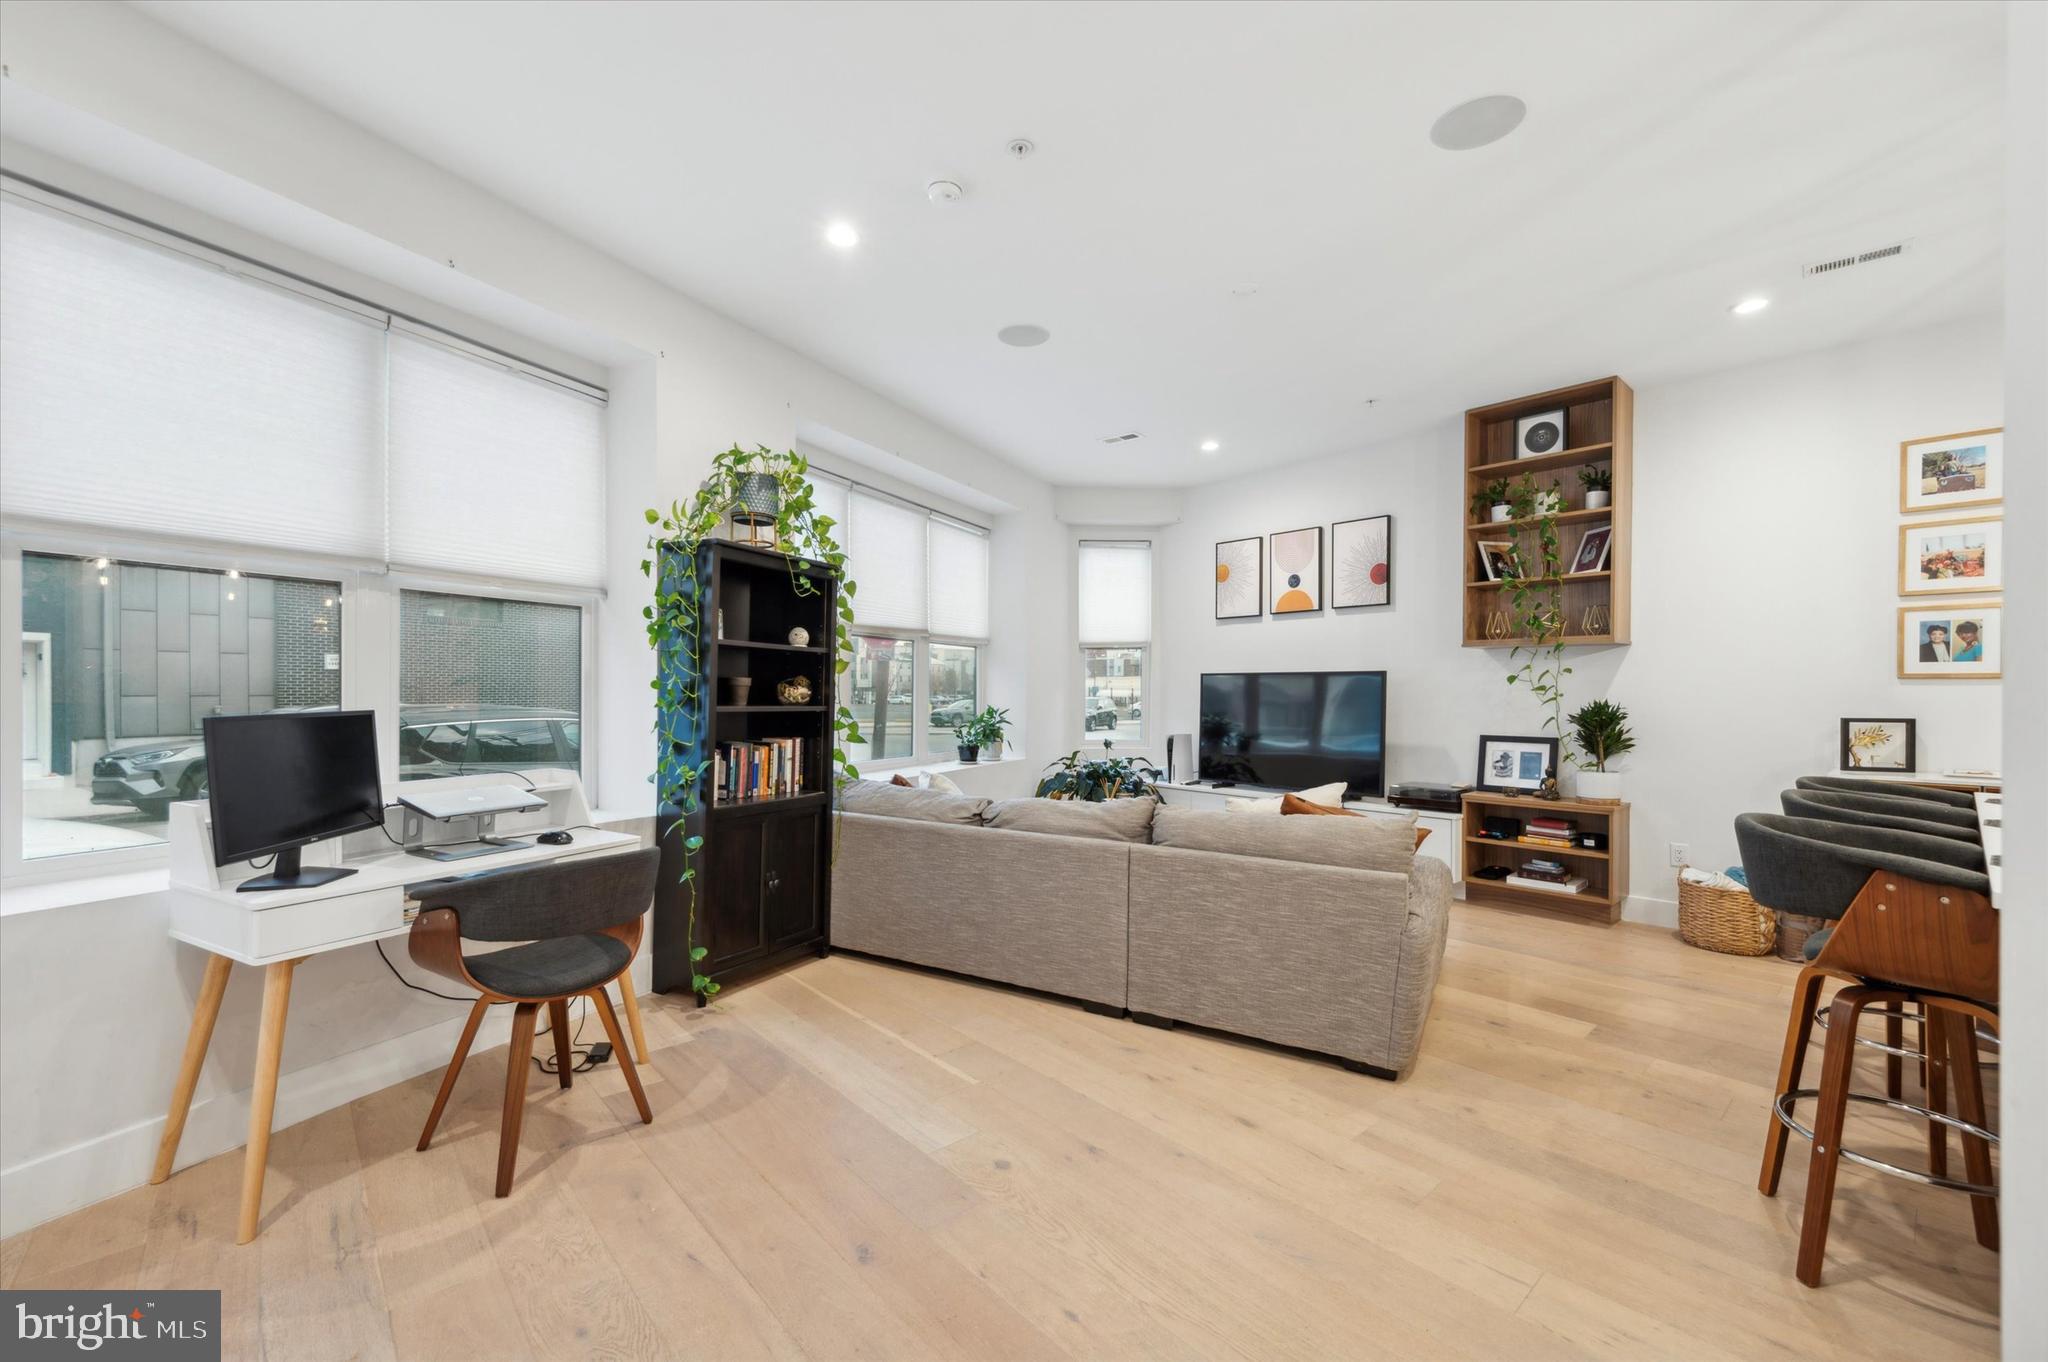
(417, 988)
(584, 1057)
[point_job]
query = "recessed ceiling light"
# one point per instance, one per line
(1210, 446)
(1024, 335)
(1477, 122)
(1750, 306)
(842, 235)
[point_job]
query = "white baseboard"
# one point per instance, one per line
(1655, 912)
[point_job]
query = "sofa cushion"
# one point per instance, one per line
(1353, 843)
(1113, 820)
(1295, 804)
(1333, 793)
(895, 801)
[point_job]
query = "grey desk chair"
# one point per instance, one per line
(1877, 811)
(1955, 799)
(1914, 926)
(581, 921)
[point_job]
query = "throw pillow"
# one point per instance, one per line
(893, 801)
(1386, 844)
(1112, 820)
(898, 779)
(1296, 804)
(1333, 793)
(937, 781)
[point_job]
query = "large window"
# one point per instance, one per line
(1116, 628)
(487, 685)
(920, 619)
(121, 661)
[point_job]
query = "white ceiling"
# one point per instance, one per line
(1675, 159)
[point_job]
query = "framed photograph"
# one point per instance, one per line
(1877, 745)
(1296, 579)
(1515, 765)
(1938, 557)
(1945, 472)
(1497, 559)
(1540, 434)
(1241, 578)
(1593, 551)
(1956, 640)
(1362, 562)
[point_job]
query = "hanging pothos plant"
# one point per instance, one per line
(1536, 596)
(683, 695)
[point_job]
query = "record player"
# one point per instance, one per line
(1436, 798)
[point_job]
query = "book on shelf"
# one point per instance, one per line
(1575, 885)
(770, 769)
(1563, 827)
(1532, 840)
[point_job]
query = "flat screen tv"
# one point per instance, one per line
(1293, 730)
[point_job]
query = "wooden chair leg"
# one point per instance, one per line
(1845, 1014)
(621, 1053)
(1935, 1041)
(1895, 1065)
(630, 1005)
(517, 1055)
(476, 1016)
(1798, 1030)
(558, 1022)
(1961, 1033)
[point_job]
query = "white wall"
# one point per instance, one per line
(1766, 532)
(107, 89)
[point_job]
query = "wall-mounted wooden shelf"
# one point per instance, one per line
(1600, 429)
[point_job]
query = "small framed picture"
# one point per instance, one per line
(1878, 745)
(1956, 640)
(1497, 559)
(1296, 579)
(1593, 550)
(1938, 557)
(1515, 765)
(1362, 562)
(1945, 472)
(1241, 578)
(1540, 434)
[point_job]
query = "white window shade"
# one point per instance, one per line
(828, 498)
(145, 390)
(492, 472)
(1116, 592)
(956, 567)
(885, 548)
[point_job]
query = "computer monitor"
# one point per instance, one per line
(278, 781)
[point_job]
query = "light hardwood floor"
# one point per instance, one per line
(855, 1160)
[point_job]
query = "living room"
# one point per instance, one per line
(625, 446)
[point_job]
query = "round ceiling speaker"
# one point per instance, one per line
(1024, 335)
(1477, 122)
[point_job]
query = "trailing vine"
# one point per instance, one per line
(678, 563)
(1537, 600)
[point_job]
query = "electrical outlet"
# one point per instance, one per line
(1680, 853)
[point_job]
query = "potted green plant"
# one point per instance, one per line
(1600, 729)
(1097, 778)
(1490, 502)
(993, 721)
(1598, 480)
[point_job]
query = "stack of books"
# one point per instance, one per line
(1548, 875)
(1548, 832)
(770, 769)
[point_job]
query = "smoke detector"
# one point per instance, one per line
(943, 191)
(1844, 262)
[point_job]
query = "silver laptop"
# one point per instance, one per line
(467, 801)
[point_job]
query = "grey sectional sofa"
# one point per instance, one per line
(1277, 944)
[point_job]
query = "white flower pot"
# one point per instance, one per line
(1596, 499)
(1503, 512)
(1603, 787)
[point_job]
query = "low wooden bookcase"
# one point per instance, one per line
(1606, 871)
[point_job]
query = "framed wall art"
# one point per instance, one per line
(1362, 562)
(1941, 557)
(1295, 580)
(1240, 578)
(1946, 472)
(1955, 640)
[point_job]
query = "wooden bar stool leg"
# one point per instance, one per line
(517, 1055)
(626, 1065)
(1844, 1015)
(1935, 1042)
(1798, 1030)
(1895, 1065)
(1961, 1032)
(476, 1016)
(558, 1022)
(205, 1011)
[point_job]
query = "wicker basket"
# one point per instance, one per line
(1724, 920)
(1793, 929)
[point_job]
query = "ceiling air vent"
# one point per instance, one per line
(1843, 262)
(1122, 439)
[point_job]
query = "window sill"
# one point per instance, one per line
(938, 768)
(40, 896)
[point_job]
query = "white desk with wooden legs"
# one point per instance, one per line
(276, 930)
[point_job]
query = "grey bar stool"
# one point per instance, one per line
(1955, 799)
(1913, 924)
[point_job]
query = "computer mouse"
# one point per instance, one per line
(554, 839)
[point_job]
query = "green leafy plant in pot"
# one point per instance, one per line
(1600, 730)
(1490, 502)
(1098, 778)
(984, 730)
(1598, 480)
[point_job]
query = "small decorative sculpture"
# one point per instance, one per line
(1498, 625)
(795, 691)
(799, 636)
(1596, 620)
(1548, 789)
